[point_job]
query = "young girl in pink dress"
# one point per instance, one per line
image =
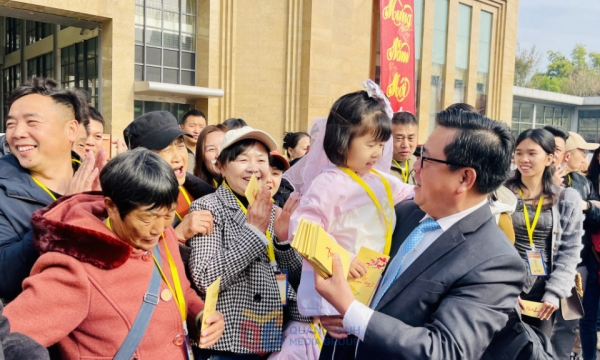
(345, 184)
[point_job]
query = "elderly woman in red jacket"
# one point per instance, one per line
(99, 254)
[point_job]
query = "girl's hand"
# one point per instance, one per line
(282, 218)
(357, 268)
(547, 310)
(259, 214)
(210, 335)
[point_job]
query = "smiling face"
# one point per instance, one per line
(176, 156)
(141, 228)
(531, 159)
(37, 129)
(436, 188)
(253, 160)
(405, 141)
(212, 149)
(363, 154)
(193, 126)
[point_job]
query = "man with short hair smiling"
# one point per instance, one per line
(453, 277)
(41, 127)
(405, 132)
(193, 122)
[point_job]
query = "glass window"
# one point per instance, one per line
(588, 124)
(41, 66)
(153, 56)
(13, 35)
(483, 60)
(79, 67)
(522, 118)
(12, 79)
(171, 58)
(165, 28)
(37, 31)
(462, 52)
(440, 30)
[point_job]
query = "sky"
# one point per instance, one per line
(558, 25)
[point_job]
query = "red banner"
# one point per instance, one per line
(397, 58)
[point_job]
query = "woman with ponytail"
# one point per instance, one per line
(548, 224)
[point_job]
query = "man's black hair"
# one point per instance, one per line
(404, 118)
(234, 123)
(193, 112)
(73, 99)
(95, 115)
(480, 143)
(557, 131)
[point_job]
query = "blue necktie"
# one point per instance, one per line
(395, 265)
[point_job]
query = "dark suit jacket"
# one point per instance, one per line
(449, 302)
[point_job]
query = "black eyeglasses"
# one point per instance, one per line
(425, 158)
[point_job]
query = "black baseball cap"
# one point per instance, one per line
(154, 131)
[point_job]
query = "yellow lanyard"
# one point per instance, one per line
(318, 337)
(178, 293)
(270, 248)
(388, 222)
(531, 226)
(44, 188)
(187, 199)
(179, 298)
(404, 172)
(569, 177)
(215, 183)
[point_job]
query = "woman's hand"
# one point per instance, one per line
(282, 218)
(357, 268)
(547, 310)
(195, 222)
(259, 214)
(210, 335)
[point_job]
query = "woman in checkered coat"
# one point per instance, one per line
(245, 252)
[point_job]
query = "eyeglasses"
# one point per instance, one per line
(425, 158)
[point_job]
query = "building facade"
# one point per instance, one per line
(536, 108)
(276, 64)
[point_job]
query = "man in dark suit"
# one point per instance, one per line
(454, 277)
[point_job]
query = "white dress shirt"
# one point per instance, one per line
(358, 315)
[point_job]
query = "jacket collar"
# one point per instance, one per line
(229, 201)
(73, 225)
(451, 238)
(18, 183)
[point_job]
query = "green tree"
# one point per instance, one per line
(526, 64)
(578, 75)
(578, 56)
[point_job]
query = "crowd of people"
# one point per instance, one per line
(114, 258)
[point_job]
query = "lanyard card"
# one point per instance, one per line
(282, 284)
(535, 259)
(188, 345)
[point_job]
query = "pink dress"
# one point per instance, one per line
(342, 207)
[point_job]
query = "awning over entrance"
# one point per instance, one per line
(175, 90)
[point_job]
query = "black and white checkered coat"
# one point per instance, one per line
(249, 296)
